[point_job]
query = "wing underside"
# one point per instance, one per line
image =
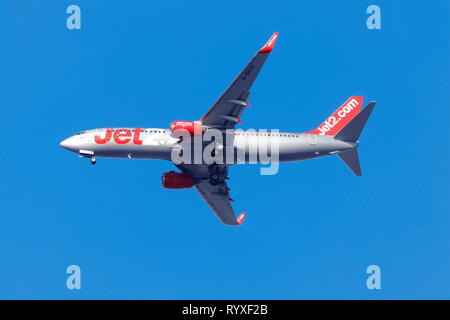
(216, 195)
(217, 199)
(227, 110)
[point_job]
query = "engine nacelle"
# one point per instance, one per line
(193, 127)
(177, 180)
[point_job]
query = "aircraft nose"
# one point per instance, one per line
(68, 144)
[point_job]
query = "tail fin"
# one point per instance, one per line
(351, 160)
(340, 118)
(354, 128)
(351, 133)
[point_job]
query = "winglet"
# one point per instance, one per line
(270, 44)
(240, 219)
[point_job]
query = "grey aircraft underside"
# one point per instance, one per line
(337, 135)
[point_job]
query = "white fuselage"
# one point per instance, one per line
(155, 143)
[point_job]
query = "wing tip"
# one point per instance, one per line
(240, 219)
(268, 47)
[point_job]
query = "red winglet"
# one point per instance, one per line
(270, 44)
(240, 219)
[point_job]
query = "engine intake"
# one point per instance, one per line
(177, 180)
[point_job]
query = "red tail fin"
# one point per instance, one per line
(340, 117)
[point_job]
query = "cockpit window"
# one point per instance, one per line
(80, 133)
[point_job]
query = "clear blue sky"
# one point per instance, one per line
(311, 230)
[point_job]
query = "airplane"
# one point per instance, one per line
(337, 135)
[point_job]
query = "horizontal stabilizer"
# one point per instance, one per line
(353, 129)
(351, 160)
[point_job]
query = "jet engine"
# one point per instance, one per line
(177, 180)
(193, 127)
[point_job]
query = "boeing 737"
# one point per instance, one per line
(337, 135)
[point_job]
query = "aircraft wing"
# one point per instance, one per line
(218, 200)
(216, 196)
(227, 110)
